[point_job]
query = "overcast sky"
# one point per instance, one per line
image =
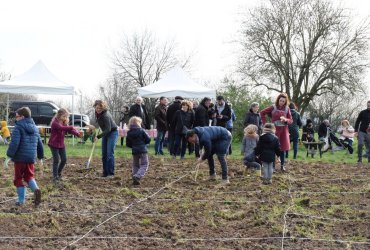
(74, 37)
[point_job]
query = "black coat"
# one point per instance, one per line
(323, 130)
(363, 121)
(267, 147)
(171, 111)
(137, 139)
(226, 115)
(161, 117)
(201, 116)
(135, 110)
(183, 119)
(253, 118)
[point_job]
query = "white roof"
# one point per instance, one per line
(176, 83)
(37, 80)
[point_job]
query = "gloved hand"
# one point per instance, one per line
(6, 162)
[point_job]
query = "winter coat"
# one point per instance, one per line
(171, 111)
(124, 117)
(106, 123)
(267, 147)
(323, 130)
(214, 140)
(26, 142)
(135, 110)
(58, 132)
(201, 116)
(248, 145)
(363, 121)
(308, 134)
(226, 115)
(5, 132)
(348, 129)
(282, 131)
(295, 125)
(253, 118)
(160, 116)
(137, 139)
(183, 119)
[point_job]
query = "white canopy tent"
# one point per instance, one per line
(176, 83)
(38, 80)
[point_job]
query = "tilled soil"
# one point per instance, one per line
(313, 206)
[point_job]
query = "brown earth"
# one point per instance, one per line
(313, 206)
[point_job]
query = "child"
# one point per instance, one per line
(59, 126)
(267, 147)
(137, 139)
(24, 146)
(89, 134)
(5, 132)
(249, 143)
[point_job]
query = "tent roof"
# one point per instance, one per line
(37, 80)
(176, 83)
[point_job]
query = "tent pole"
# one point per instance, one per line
(7, 110)
(73, 117)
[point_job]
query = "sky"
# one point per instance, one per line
(75, 37)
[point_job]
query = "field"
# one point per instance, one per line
(313, 206)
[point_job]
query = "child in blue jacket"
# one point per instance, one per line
(137, 139)
(25, 145)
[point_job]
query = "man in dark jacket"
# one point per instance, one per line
(362, 129)
(201, 118)
(294, 129)
(223, 112)
(25, 145)
(139, 110)
(171, 111)
(213, 140)
(160, 116)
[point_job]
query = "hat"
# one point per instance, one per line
(178, 98)
(220, 97)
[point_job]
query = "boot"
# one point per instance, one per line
(21, 191)
(258, 172)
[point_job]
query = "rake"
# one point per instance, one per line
(196, 171)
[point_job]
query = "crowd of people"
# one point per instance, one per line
(205, 128)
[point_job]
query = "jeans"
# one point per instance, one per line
(363, 139)
(294, 139)
(211, 164)
(140, 165)
(180, 145)
(267, 170)
(158, 146)
(58, 163)
(107, 146)
(282, 158)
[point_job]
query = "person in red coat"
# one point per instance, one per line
(281, 117)
(59, 127)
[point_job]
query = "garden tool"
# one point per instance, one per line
(91, 153)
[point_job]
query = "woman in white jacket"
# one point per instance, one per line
(347, 132)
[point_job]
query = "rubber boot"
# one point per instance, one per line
(33, 185)
(258, 172)
(21, 191)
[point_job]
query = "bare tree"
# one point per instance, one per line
(305, 48)
(118, 92)
(140, 61)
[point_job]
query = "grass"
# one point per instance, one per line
(84, 150)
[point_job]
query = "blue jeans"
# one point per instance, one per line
(363, 139)
(58, 163)
(267, 170)
(294, 138)
(211, 164)
(158, 146)
(180, 145)
(107, 146)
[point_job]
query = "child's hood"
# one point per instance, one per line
(3, 124)
(28, 125)
(135, 131)
(268, 137)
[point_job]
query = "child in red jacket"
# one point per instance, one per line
(59, 126)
